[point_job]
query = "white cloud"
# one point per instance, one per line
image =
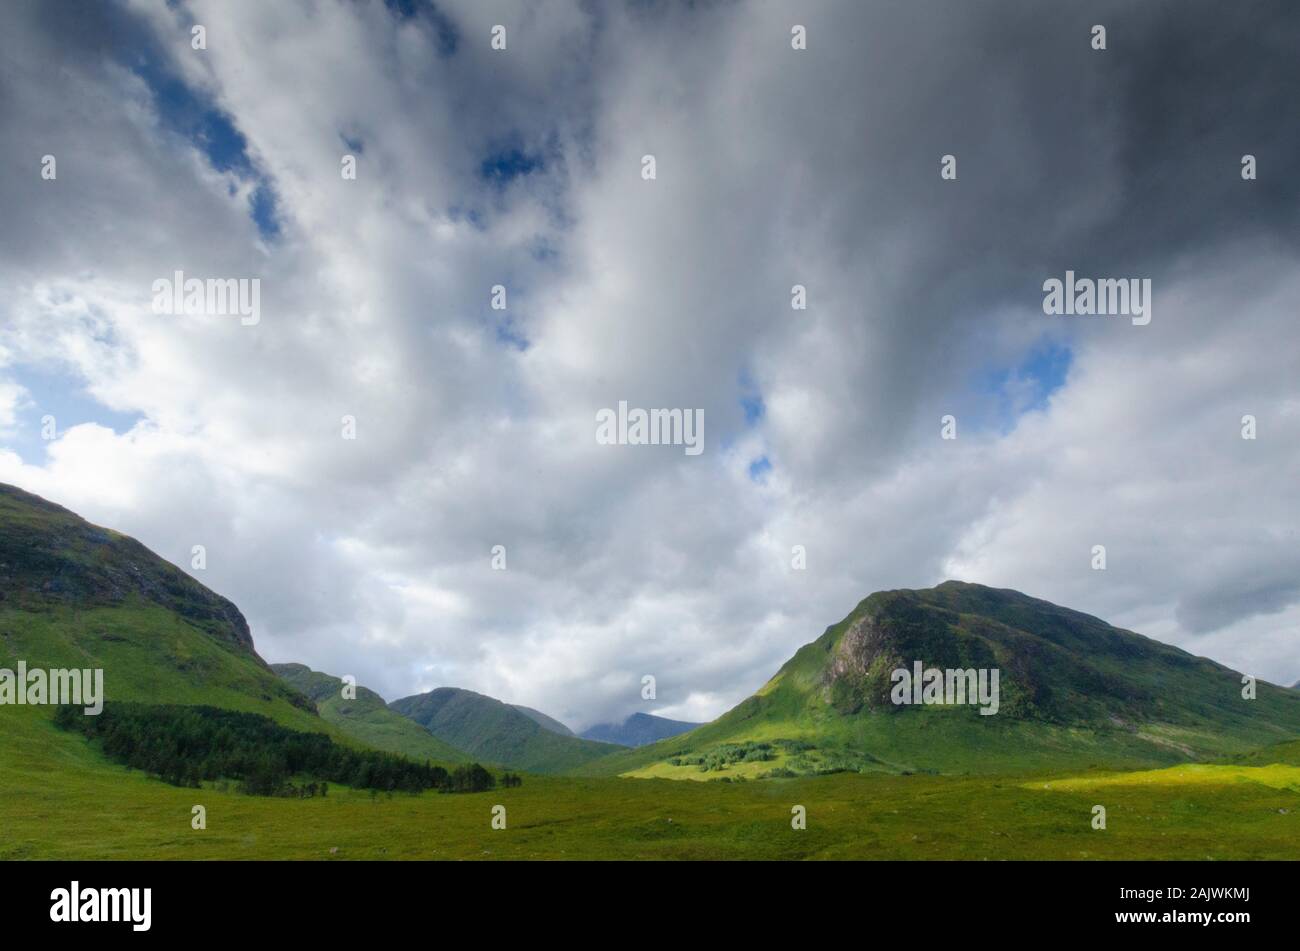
(372, 556)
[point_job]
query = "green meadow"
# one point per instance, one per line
(60, 799)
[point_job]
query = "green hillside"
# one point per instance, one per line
(496, 732)
(367, 718)
(1287, 754)
(542, 720)
(1075, 692)
(76, 595)
(73, 595)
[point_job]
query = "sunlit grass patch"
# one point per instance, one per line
(1276, 776)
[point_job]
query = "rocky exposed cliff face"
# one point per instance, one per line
(1055, 664)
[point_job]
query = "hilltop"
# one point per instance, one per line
(1075, 691)
(496, 732)
(367, 718)
(638, 729)
(73, 594)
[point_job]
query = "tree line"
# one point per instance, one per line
(184, 746)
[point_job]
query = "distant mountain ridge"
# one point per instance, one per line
(542, 720)
(367, 717)
(496, 732)
(638, 729)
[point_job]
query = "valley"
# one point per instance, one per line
(59, 800)
(1184, 765)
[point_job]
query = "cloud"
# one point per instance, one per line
(475, 427)
(12, 397)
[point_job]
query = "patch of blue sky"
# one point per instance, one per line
(502, 166)
(444, 30)
(751, 400)
(192, 115)
(63, 398)
(1027, 386)
(458, 213)
(508, 334)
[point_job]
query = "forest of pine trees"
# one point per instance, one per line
(185, 746)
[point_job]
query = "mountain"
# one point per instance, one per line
(77, 596)
(496, 732)
(1074, 692)
(638, 730)
(542, 720)
(73, 594)
(367, 718)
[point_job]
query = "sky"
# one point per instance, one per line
(523, 168)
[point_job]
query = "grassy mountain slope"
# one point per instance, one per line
(1075, 693)
(496, 732)
(542, 720)
(367, 718)
(1288, 754)
(76, 595)
(639, 729)
(73, 595)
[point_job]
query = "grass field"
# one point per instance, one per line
(60, 799)
(1189, 776)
